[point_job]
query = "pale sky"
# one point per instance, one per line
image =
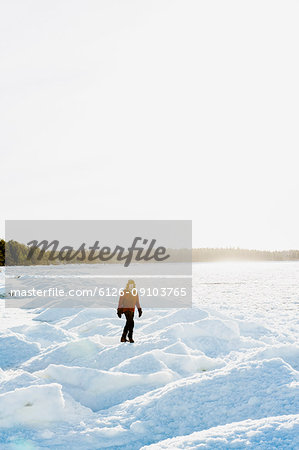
(156, 109)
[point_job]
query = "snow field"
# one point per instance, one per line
(205, 377)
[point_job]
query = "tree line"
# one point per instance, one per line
(13, 253)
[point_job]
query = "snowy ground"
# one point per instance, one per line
(223, 374)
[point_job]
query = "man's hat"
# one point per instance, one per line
(130, 282)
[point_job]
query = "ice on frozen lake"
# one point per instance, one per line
(223, 374)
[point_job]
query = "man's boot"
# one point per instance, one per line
(131, 339)
(123, 338)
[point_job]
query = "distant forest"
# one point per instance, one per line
(239, 254)
(16, 254)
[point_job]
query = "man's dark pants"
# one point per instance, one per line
(128, 329)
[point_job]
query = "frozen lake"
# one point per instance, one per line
(266, 291)
(223, 374)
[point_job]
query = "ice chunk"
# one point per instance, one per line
(32, 406)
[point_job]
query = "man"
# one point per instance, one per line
(127, 302)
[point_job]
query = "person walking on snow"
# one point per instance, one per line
(126, 305)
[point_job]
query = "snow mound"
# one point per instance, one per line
(43, 333)
(32, 406)
(113, 355)
(19, 380)
(212, 336)
(218, 329)
(179, 348)
(158, 359)
(103, 327)
(144, 363)
(14, 350)
(99, 389)
(273, 432)
(54, 314)
(217, 398)
(178, 316)
(86, 315)
(289, 353)
(81, 352)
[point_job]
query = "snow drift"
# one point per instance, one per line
(223, 374)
